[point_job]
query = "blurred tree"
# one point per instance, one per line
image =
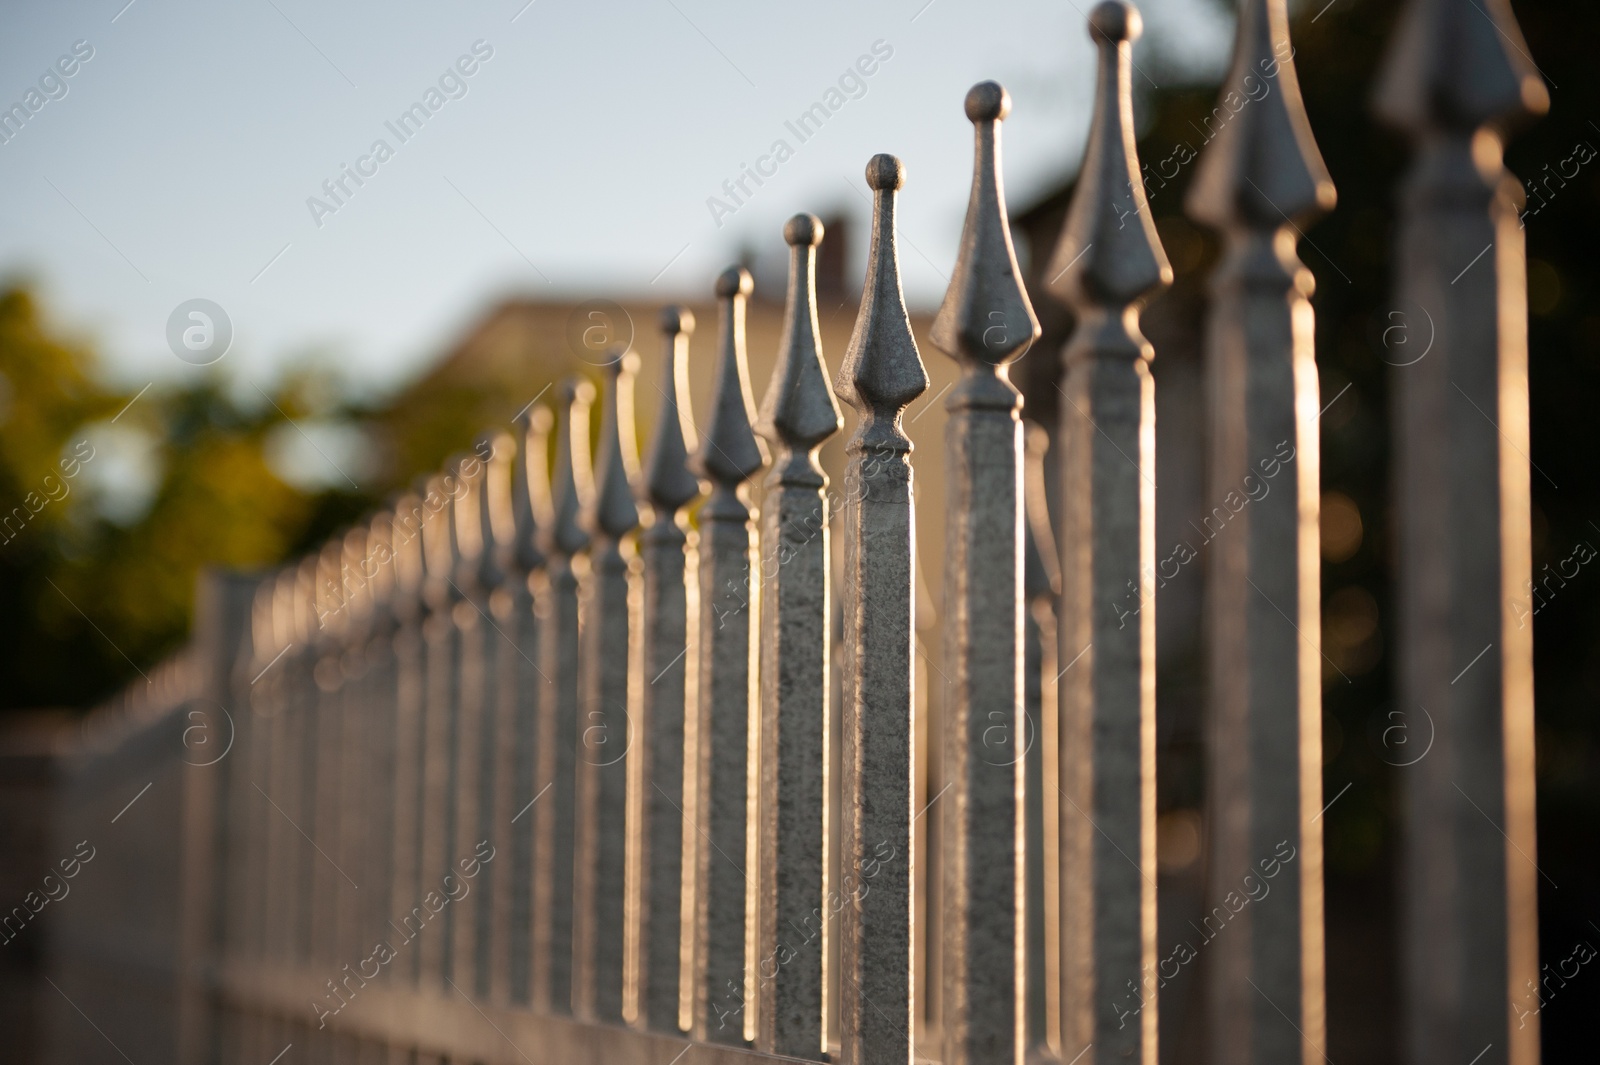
(88, 602)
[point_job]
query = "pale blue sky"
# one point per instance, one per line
(579, 161)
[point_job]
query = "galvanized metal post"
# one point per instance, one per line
(1458, 76)
(610, 696)
(727, 721)
(566, 569)
(474, 668)
(1259, 180)
(380, 699)
(409, 722)
(523, 689)
(1041, 583)
(882, 372)
(354, 788)
(661, 831)
(797, 415)
(984, 323)
(485, 838)
(1107, 265)
(442, 660)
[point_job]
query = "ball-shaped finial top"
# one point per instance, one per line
(536, 419)
(885, 171)
(492, 444)
(621, 360)
(677, 319)
(988, 101)
(1113, 21)
(734, 281)
(577, 390)
(803, 229)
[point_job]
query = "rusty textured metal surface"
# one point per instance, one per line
(798, 413)
(882, 372)
(1108, 263)
(1457, 77)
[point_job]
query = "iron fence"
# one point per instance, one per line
(537, 764)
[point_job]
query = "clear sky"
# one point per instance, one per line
(575, 159)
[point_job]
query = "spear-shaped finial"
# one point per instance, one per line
(357, 587)
(1108, 263)
(329, 597)
(799, 412)
(669, 481)
(984, 323)
(1458, 65)
(466, 533)
(438, 538)
(797, 415)
(731, 452)
(986, 319)
(531, 508)
(730, 588)
(496, 519)
(882, 372)
(1262, 167)
(882, 369)
(612, 510)
(305, 603)
(574, 479)
(669, 609)
(1109, 254)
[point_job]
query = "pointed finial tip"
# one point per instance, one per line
(536, 419)
(620, 359)
(988, 101)
(677, 319)
(734, 281)
(577, 390)
(492, 443)
(885, 171)
(1113, 21)
(803, 229)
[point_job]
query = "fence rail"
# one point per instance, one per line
(537, 763)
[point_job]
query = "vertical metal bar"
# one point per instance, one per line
(1041, 582)
(322, 824)
(985, 323)
(610, 697)
(274, 934)
(669, 668)
(729, 646)
(442, 646)
(380, 705)
(882, 372)
(409, 698)
(473, 725)
(1109, 261)
(356, 744)
(1258, 182)
(564, 538)
(1458, 76)
(797, 415)
(522, 690)
(301, 768)
(486, 849)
